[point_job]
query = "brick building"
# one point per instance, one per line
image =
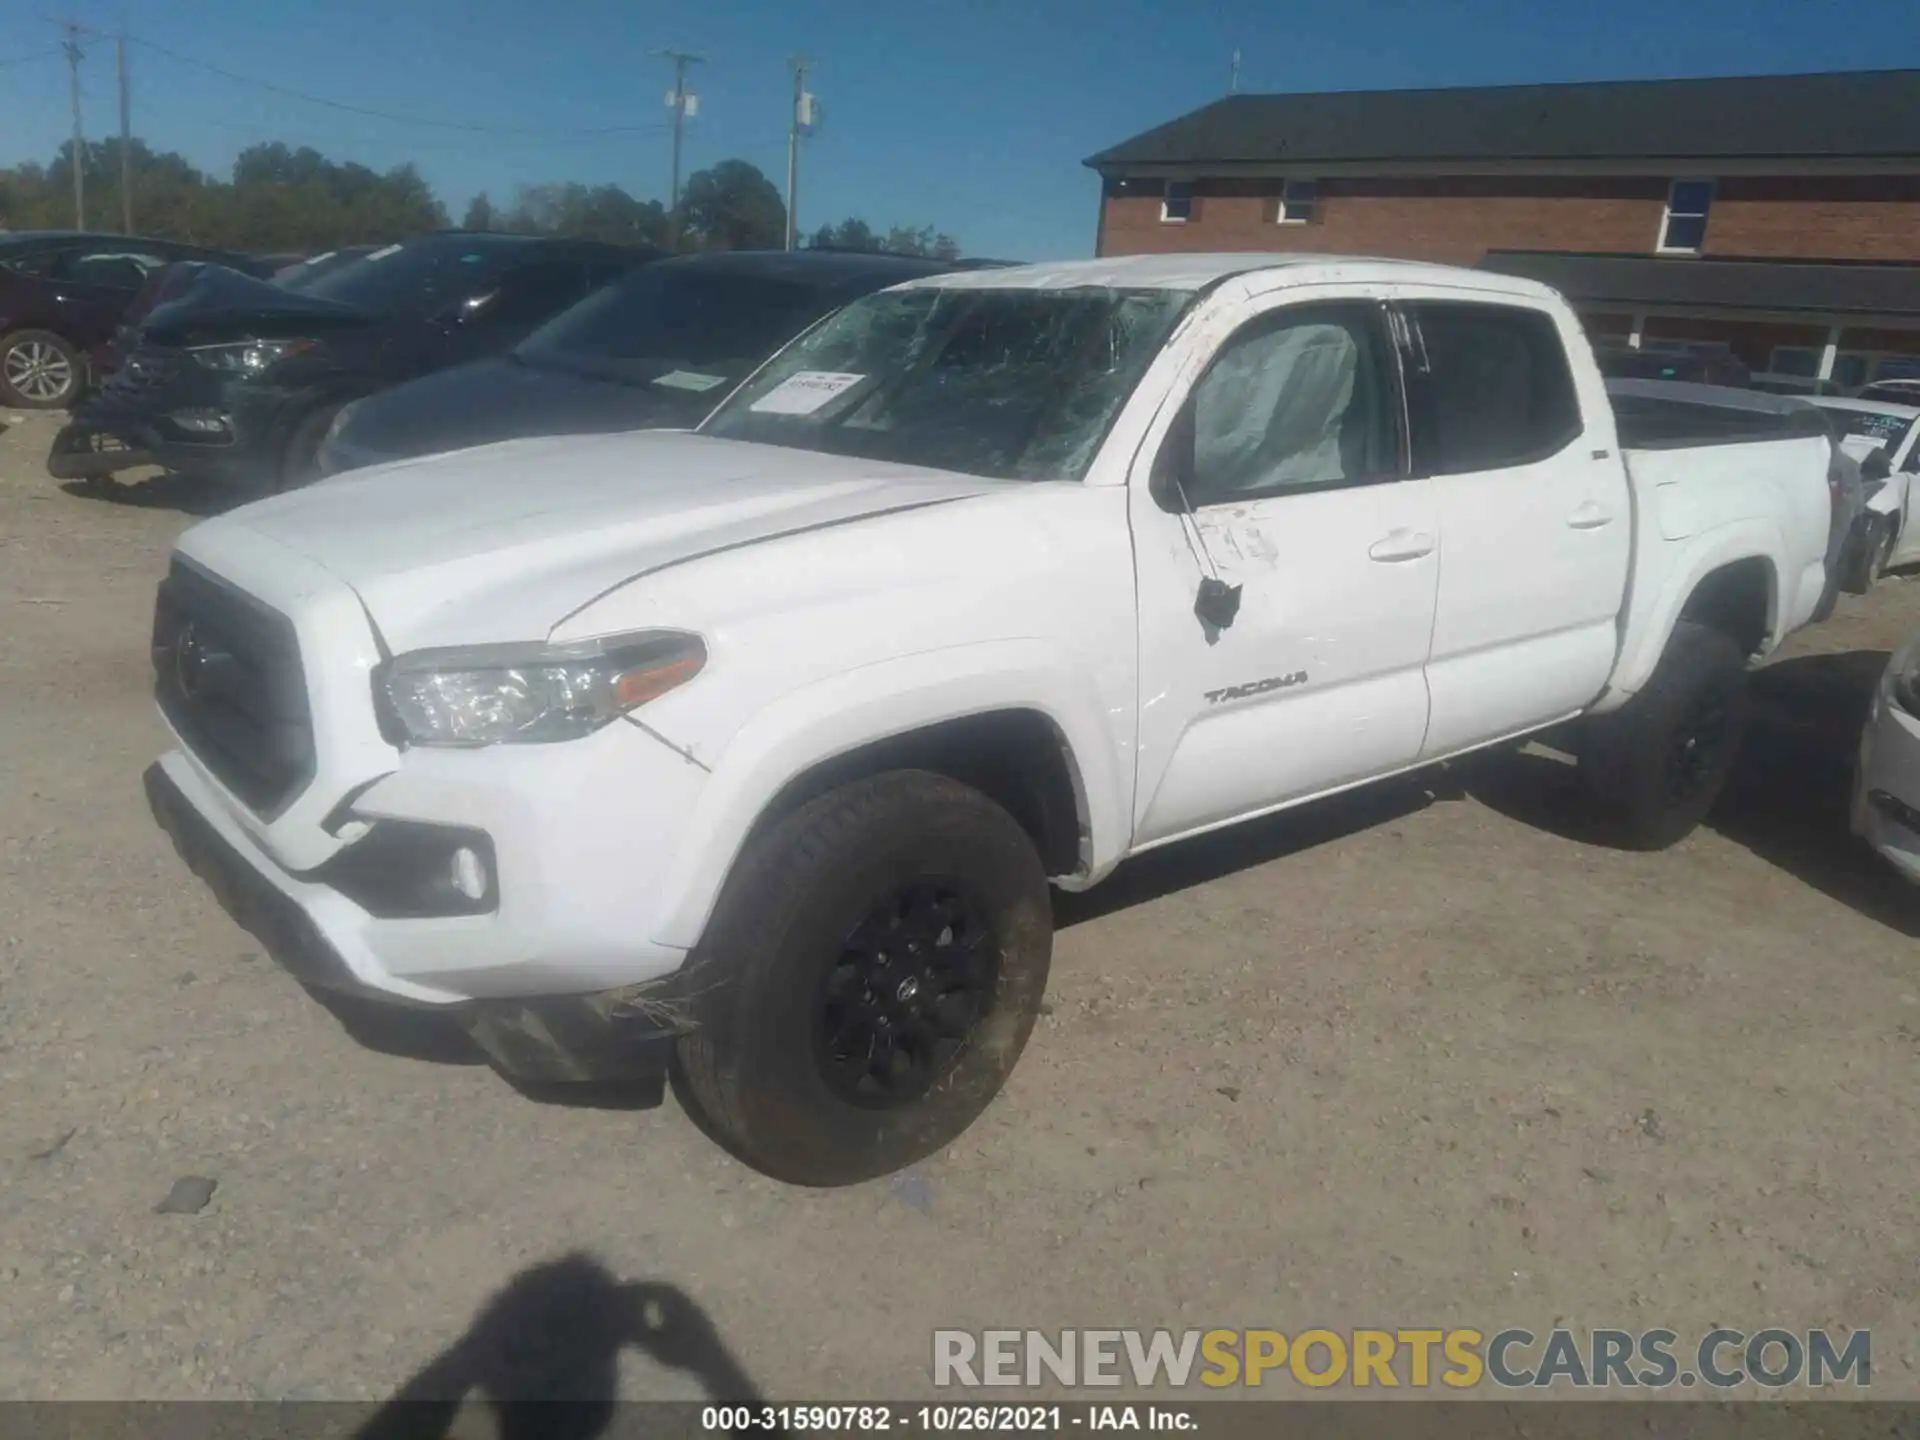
(1777, 214)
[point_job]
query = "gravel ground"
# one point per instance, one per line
(1424, 1056)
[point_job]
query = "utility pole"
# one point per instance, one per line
(72, 46)
(1233, 81)
(126, 138)
(684, 104)
(802, 115)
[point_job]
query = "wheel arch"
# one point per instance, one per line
(1029, 735)
(1731, 579)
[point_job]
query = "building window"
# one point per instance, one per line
(1297, 200)
(1684, 230)
(1176, 202)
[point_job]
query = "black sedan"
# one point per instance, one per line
(238, 379)
(658, 350)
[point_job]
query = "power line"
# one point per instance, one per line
(29, 59)
(463, 125)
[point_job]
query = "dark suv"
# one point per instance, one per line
(238, 380)
(61, 294)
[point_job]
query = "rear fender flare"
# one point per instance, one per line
(1652, 612)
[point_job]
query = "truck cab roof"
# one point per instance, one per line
(1201, 272)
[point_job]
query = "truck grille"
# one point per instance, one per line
(226, 674)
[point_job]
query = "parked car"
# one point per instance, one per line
(61, 294)
(1892, 392)
(1886, 777)
(1775, 382)
(1885, 439)
(239, 379)
(760, 742)
(1856, 536)
(1702, 366)
(661, 347)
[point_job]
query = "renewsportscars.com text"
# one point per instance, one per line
(1414, 1358)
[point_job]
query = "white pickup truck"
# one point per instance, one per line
(751, 750)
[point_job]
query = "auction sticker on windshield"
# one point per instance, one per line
(689, 380)
(805, 391)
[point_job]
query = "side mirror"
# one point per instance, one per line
(1876, 466)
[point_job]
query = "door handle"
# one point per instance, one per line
(1398, 545)
(1590, 516)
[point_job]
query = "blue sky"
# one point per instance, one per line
(970, 117)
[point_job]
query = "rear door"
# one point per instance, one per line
(1536, 529)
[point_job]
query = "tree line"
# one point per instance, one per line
(279, 199)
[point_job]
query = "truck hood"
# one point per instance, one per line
(503, 542)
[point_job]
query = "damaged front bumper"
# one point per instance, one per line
(612, 1036)
(1886, 790)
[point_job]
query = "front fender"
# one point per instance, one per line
(1665, 580)
(844, 712)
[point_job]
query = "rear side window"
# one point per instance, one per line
(1493, 388)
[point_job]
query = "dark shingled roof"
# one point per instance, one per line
(1813, 287)
(1861, 114)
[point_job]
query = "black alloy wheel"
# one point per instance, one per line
(912, 983)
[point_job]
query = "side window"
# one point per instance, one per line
(1300, 400)
(40, 264)
(112, 269)
(1492, 388)
(531, 294)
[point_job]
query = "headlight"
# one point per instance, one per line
(1903, 677)
(250, 357)
(537, 694)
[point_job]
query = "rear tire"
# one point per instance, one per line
(870, 977)
(300, 457)
(1654, 768)
(40, 371)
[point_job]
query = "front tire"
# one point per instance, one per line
(1654, 768)
(870, 977)
(39, 370)
(300, 457)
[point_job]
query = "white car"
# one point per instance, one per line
(759, 744)
(1886, 786)
(1904, 391)
(1878, 433)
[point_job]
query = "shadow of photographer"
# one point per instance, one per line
(544, 1355)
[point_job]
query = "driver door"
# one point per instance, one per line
(1284, 472)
